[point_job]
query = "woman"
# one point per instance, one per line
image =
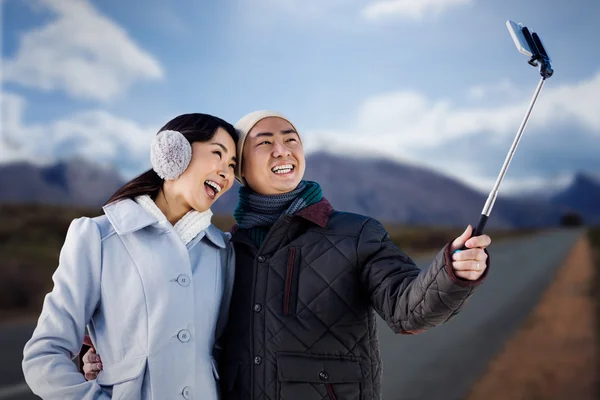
(309, 280)
(148, 278)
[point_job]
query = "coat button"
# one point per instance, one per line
(257, 360)
(262, 259)
(183, 280)
(184, 335)
(257, 307)
(187, 392)
(323, 375)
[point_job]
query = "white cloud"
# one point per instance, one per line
(413, 120)
(408, 9)
(351, 10)
(408, 126)
(300, 8)
(534, 185)
(503, 88)
(11, 107)
(81, 52)
(94, 134)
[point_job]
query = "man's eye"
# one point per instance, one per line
(232, 166)
(265, 142)
(217, 152)
(291, 140)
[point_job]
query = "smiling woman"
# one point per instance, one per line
(213, 162)
(151, 279)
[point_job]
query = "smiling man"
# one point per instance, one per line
(309, 280)
(274, 157)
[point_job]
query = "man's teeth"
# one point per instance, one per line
(283, 169)
(214, 186)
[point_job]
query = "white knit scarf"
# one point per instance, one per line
(188, 227)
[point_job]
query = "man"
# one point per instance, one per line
(309, 280)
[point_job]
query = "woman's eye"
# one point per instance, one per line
(291, 140)
(218, 153)
(232, 166)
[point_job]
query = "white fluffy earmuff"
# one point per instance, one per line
(170, 154)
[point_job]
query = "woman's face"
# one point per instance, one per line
(209, 175)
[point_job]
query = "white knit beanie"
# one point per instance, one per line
(244, 126)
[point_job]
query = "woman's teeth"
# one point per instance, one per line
(214, 185)
(283, 169)
(212, 188)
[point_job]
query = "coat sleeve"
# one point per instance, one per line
(48, 356)
(410, 300)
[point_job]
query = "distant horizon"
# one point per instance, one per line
(547, 187)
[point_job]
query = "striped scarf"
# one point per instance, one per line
(257, 213)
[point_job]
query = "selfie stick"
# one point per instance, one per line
(531, 45)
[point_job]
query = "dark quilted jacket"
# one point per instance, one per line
(302, 323)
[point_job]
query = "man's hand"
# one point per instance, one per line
(92, 364)
(469, 264)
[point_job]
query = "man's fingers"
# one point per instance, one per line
(460, 241)
(482, 241)
(92, 367)
(470, 265)
(90, 376)
(91, 357)
(468, 275)
(471, 254)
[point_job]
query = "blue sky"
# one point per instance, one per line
(432, 82)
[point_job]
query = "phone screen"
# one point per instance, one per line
(516, 31)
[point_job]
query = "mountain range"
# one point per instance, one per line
(388, 190)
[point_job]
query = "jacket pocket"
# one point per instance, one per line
(124, 378)
(290, 291)
(306, 377)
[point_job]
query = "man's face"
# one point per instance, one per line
(273, 158)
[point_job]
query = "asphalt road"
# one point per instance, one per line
(442, 363)
(12, 341)
(445, 362)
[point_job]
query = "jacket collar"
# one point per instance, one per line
(127, 216)
(215, 235)
(318, 213)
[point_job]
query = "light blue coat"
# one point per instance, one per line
(152, 305)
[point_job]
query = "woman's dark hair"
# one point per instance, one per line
(196, 128)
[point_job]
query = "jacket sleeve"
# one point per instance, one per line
(48, 356)
(410, 300)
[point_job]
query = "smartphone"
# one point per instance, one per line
(516, 31)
